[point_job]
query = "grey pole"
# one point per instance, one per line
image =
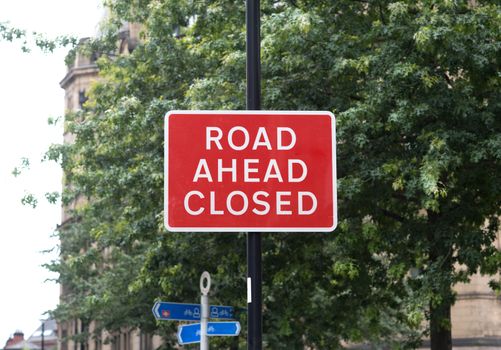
(204, 289)
(204, 339)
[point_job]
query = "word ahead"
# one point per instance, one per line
(190, 333)
(189, 312)
(250, 171)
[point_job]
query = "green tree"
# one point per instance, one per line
(31, 39)
(415, 86)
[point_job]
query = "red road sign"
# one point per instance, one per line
(250, 171)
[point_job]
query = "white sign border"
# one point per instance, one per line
(250, 229)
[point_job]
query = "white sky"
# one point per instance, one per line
(29, 95)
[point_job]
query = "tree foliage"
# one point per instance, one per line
(415, 86)
(32, 39)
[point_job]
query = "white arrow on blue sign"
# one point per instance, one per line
(189, 312)
(190, 333)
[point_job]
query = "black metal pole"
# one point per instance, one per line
(43, 335)
(254, 269)
(253, 56)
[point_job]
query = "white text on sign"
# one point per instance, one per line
(247, 170)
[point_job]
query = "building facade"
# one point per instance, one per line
(81, 74)
(17, 342)
(476, 315)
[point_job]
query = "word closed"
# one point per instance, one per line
(250, 171)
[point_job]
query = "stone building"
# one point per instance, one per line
(76, 83)
(476, 316)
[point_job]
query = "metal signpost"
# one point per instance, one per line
(199, 332)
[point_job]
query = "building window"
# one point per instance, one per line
(145, 341)
(82, 98)
(93, 57)
(83, 344)
(126, 341)
(64, 341)
(116, 344)
(75, 332)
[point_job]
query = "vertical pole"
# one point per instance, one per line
(254, 270)
(253, 55)
(43, 335)
(204, 339)
(204, 317)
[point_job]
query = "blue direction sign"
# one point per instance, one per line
(189, 312)
(223, 329)
(190, 333)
